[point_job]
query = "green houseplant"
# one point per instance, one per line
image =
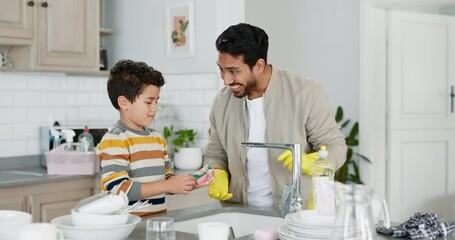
(349, 172)
(181, 144)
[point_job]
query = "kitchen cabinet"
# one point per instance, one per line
(104, 33)
(17, 203)
(16, 21)
(196, 197)
(47, 200)
(66, 38)
(47, 206)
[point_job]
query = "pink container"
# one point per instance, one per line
(61, 162)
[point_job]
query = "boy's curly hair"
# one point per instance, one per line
(129, 78)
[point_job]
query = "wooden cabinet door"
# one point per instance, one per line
(45, 207)
(17, 203)
(68, 33)
(16, 18)
(196, 197)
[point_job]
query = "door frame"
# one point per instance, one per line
(373, 83)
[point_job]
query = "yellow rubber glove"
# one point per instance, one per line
(307, 160)
(219, 188)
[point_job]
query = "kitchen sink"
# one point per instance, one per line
(244, 221)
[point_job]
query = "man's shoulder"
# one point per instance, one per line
(293, 77)
(295, 82)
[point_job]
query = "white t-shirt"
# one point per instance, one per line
(259, 187)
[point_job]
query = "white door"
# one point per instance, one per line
(421, 119)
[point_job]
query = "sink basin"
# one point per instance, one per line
(243, 223)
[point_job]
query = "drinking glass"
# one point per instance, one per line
(160, 228)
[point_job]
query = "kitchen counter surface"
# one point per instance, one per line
(38, 174)
(139, 232)
(32, 175)
(29, 171)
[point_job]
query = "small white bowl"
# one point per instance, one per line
(95, 233)
(11, 223)
(97, 220)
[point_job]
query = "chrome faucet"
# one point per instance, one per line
(292, 203)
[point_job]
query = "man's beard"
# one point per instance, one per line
(247, 88)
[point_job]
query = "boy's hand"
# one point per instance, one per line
(204, 176)
(182, 184)
(219, 188)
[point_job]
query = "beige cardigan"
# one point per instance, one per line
(296, 111)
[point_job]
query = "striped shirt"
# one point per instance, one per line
(129, 158)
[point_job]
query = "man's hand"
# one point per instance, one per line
(307, 160)
(219, 188)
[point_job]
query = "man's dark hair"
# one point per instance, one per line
(129, 78)
(244, 39)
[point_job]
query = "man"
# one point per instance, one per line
(260, 103)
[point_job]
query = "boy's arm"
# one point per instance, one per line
(113, 154)
(175, 184)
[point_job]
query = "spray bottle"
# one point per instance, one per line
(68, 135)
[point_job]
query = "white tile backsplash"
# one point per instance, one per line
(30, 100)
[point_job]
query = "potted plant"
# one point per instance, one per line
(185, 156)
(349, 172)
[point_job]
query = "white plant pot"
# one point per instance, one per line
(188, 158)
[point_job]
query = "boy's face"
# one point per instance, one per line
(141, 112)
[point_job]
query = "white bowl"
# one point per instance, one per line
(97, 220)
(95, 233)
(11, 223)
(188, 158)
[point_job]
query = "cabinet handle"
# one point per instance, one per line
(452, 96)
(44, 4)
(31, 3)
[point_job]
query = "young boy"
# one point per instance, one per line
(132, 155)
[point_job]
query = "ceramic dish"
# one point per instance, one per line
(118, 232)
(11, 222)
(97, 220)
(310, 218)
(286, 234)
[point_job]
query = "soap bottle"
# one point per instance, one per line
(323, 177)
(86, 141)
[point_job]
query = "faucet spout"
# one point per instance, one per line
(295, 203)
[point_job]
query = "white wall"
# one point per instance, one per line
(31, 100)
(139, 34)
(320, 43)
(318, 39)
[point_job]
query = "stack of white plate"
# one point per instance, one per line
(308, 224)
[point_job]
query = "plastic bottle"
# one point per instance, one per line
(86, 141)
(323, 177)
